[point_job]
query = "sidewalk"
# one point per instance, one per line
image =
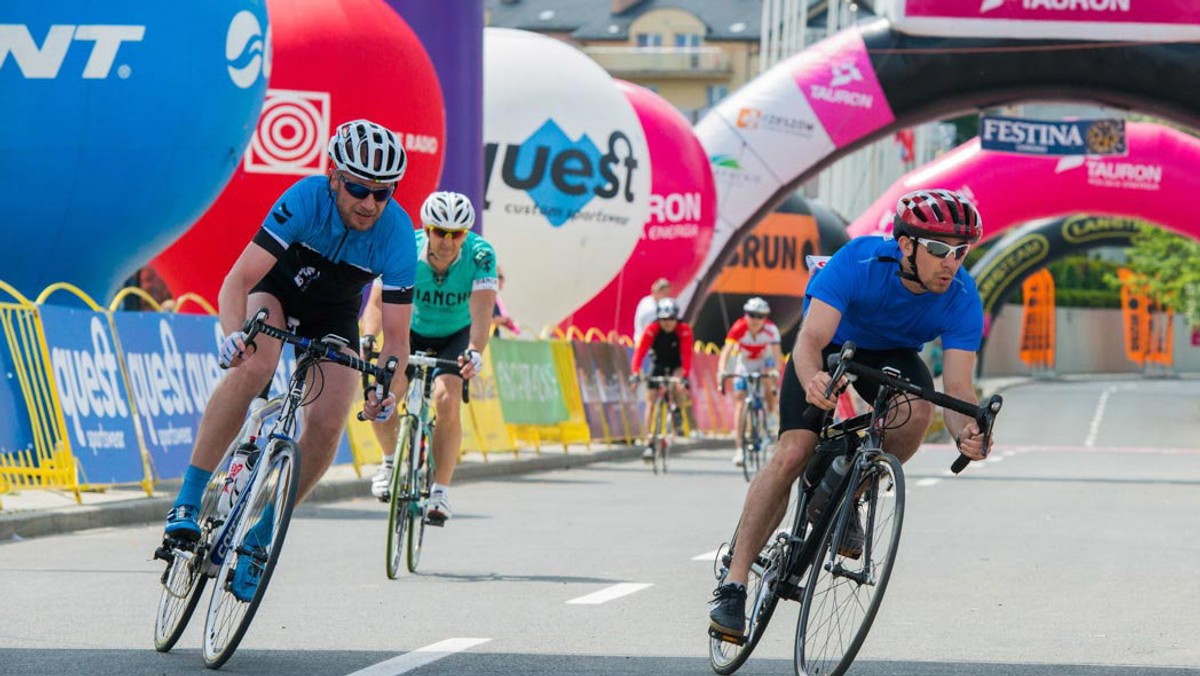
(35, 513)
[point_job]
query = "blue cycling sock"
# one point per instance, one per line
(192, 490)
(260, 533)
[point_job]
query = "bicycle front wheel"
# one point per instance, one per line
(843, 591)
(257, 542)
(748, 442)
(399, 490)
(416, 509)
(761, 599)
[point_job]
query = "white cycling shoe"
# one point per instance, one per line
(381, 482)
(438, 511)
(739, 458)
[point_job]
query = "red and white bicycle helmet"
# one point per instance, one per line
(368, 151)
(937, 213)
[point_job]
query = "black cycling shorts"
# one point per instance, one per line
(315, 321)
(448, 347)
(791, 396)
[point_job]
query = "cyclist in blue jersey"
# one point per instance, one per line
(889, 296)
(456, 285)
(325, 239)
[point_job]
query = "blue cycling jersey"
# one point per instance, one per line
(879, 313)
(328, 264)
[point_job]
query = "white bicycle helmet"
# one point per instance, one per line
(756, 306)
(667, 309)
(368, 151)
(448, 211)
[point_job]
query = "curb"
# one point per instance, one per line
(148, 510)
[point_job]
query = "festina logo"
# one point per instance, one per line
(1026, 132)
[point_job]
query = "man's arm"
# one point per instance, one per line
(816, 332)
(726, 352)
(958, 380)
(481, 304)
(372, 316)
(396, 320)
(643, 346)
(249, 269)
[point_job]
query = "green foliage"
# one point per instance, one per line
(1087, 298)
(1166, 268)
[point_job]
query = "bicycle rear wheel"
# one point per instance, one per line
(400, 491)
(660, 421)
(761, 599)
(258, 539)
(183, 581)
(843, 593)
(416, 509)
(761, 441)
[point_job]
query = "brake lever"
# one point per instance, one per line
(986, 420)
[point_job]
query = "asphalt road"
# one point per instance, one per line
(1073, 551)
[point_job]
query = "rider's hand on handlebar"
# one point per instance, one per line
(970, 441)
(814, 391)
(233, 350)
(378, 411)
(470, 364)
(367, 346)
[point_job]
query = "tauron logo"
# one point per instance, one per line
(247, 50)
(44, 62)
(561, 175)
(844, 73)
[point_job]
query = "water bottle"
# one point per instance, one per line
(240, 465)
(829, 483)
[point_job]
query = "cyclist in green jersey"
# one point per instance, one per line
(455, 292)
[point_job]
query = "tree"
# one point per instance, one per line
(1166, 267)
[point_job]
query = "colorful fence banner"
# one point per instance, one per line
(93, 395)
(16, 433)
(486, 413)
(527, 382)
(589, 376)
(1052, 137)
(171, 362)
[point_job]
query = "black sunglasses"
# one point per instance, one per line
(756, 315)
(359, 191)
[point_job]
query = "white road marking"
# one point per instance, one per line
(1097, 416)
(402, 664)
(706, 556)
(609, 593)
(928, 481)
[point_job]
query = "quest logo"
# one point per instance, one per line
(247, 50)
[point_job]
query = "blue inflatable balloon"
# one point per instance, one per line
(122, 121)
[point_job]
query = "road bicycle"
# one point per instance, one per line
(838, 582)
(666, 411)
(413, 467)
(754, 437)
(254, 529)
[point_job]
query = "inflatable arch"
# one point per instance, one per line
(866, 82)
(1154, 181)
(1031, 247)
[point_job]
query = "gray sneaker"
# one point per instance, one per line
(851, 545)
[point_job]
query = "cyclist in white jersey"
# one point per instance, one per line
(456, 285)
(753, 343)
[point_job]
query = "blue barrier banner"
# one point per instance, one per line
(16, 432)
(91, 390)
(1052, 137)
(172, 365)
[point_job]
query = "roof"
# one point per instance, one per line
(593, 19)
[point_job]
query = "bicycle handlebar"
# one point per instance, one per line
(659, 380)
(757, 375)
(843, 364)
(320, 349)
(416, 359)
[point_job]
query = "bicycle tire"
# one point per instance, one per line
(747, 441)
(398, 500)
(416, 510)
(177, 604)
(659, 427)
(760, 440)
(834, 618)
(228, 617)
(725, 657)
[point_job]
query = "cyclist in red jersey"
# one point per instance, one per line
(669, 342)
(752, 345)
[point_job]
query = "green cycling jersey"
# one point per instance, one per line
(442, 303)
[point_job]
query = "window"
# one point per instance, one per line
(682, 40)
(649, 40)
(716, 93)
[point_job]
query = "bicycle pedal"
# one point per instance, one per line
(435, 521)
(728, 638)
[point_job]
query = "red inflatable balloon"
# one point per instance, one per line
(333, 61)
(683, 210)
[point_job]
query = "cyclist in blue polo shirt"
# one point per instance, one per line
(323, 241)
(889, 296)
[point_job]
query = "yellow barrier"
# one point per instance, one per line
(114, 304)
(194, 298)
(50, 463)
(484, 429)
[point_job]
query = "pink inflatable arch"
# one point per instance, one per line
(1155, 181)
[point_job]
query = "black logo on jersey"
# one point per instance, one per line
(485, 260)
(283, 215)
(307, 275)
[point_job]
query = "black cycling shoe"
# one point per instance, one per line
(851, 545)
(727, 613)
